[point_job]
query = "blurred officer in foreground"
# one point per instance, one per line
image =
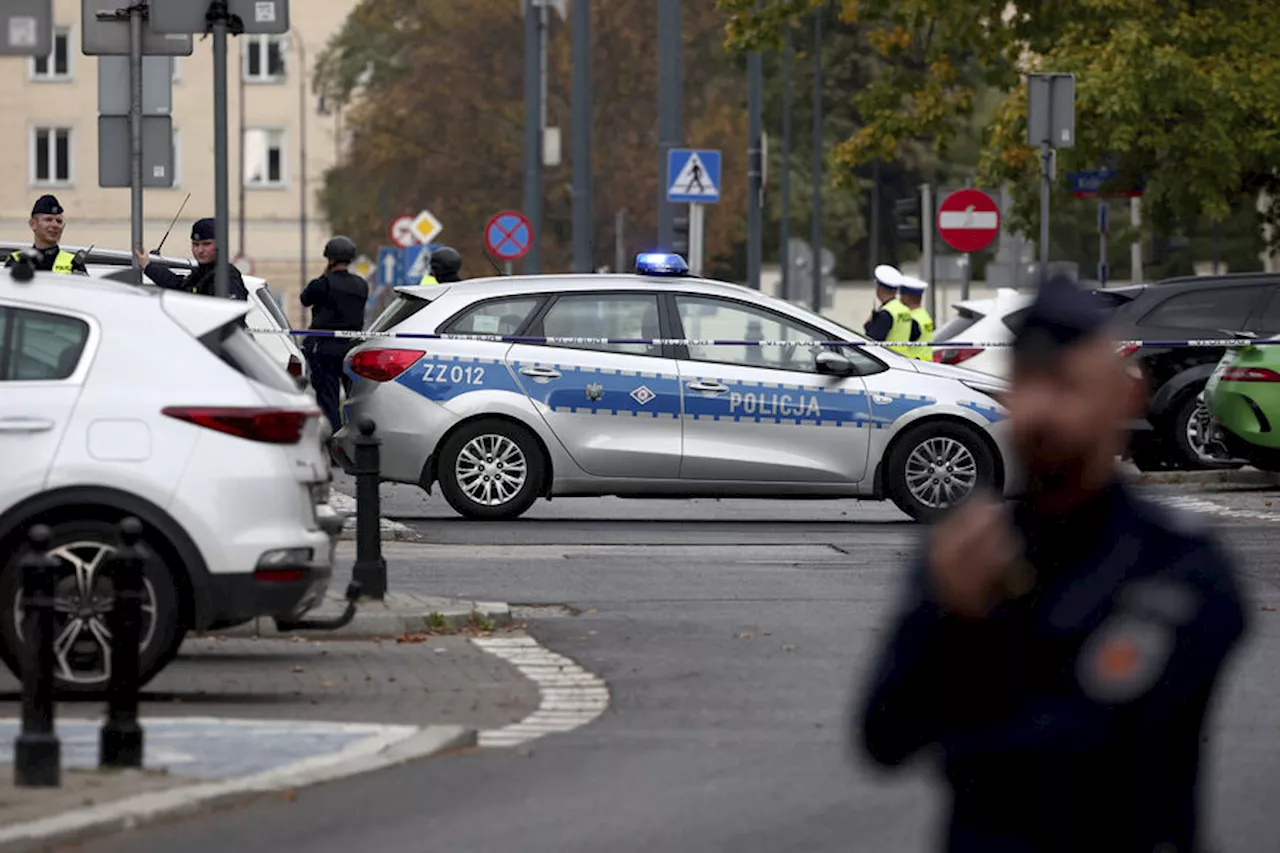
(911, 292)
(1060, 653)
(47, 225)
(204, 248)
(891, 320)
(445, 263)
(337, 302)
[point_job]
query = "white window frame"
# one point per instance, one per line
(284, 159)
(34, 77)
(262, 43)
(177, 69)
(33, 140)
(177, 157)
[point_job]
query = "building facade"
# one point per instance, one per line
(281, 141)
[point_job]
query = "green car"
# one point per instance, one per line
(1243, 398)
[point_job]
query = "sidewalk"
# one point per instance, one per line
(235, 716)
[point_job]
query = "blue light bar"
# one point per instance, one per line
(660, 264)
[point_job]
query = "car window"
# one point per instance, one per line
(1013, 321)
(40, 346)
(1268, 319)
(495, 317)
(964, 319)
(397, 312)
(272, 307)
(707, 318)
(605, 315)
(1210, 309)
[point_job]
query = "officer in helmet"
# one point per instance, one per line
(445, 263)
(337, 302)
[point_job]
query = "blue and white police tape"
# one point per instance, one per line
(582, 341)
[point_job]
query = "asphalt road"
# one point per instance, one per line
(733, 637)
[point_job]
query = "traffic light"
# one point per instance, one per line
(906, 214)
(680, 243)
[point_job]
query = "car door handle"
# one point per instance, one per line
(541, 372)
(25, 425)
(709, 387)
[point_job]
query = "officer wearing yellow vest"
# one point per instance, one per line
(911, 292)
(46, 230)
(891, 320)
(445, 263)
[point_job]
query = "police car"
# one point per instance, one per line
(520, 398)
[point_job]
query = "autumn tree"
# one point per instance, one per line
(1179, 92)
(433, 99)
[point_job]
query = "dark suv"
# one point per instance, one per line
(1189, 308)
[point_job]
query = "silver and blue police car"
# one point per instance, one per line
(658, 384)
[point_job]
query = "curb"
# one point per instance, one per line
(375, 753)
(390, 531)
(397, 615)
(1239, 477)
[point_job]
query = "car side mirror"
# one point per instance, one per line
(833, 364)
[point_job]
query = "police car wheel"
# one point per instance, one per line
(491, 470)
(83, 597)
(935, 466)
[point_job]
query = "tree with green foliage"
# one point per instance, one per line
(1179, 92)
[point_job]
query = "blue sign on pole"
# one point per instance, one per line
(1093, 182)
(412, 264)
(693, 177)
(390, 264)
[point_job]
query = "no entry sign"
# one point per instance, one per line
(968, 220)
(508, 235)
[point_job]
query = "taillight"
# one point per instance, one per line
(270, 426)
(383, 365)
(295, 367)
(1127, 350)
(954, 356)
(1250, 374)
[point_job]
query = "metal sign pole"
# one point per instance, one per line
(696, 220)
(222, 272)
(135, 135)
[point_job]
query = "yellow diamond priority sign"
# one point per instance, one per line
(426, 227)
(363, 266)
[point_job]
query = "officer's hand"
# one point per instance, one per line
(971, 555)
(143, 260)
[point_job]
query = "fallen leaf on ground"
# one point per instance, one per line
(1267, 607)
(326, 684)
(299, 669)
(788, 648)
(745, 635)
(593, 610)
(411, 638)
(767, 633)
(290, 796)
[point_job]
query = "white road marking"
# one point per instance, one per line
(1214, 508)
(571, 696)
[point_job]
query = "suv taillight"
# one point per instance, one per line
(954, 356)
(1250, 374)
(383, 365)
(295, 367)
(1127, 350)
(270, 426)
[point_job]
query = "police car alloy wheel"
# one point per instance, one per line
(84, 598)
(935, 466)
(491, 470)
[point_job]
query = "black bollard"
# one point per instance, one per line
(37, 754)
(370, 570)
(120, 743)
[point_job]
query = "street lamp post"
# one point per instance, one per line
(302, 154)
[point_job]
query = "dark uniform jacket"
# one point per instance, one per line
(201, 280)
(47, 258)
(337, 301)
(1071, 718)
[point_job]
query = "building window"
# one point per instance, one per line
(263, 59)
(264, 157)
(57, 65)
(51, 155)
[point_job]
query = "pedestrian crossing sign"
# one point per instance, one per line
(693, 177)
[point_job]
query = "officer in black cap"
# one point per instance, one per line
(337, 301)
(46, 230)
(204, 248)
(1061, 652)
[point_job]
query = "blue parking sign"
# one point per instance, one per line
(390, 265)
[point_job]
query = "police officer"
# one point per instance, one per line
(445, 263)
(204, 248)
(911, 292)
(46, 230)
(891, 321)
(337, 302)
(1061, 652)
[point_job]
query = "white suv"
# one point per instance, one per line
(117, 400)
